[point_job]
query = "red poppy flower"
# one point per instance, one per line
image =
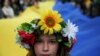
(27, 38)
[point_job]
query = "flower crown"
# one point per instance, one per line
(50, 23)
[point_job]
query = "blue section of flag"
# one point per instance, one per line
(88, 37)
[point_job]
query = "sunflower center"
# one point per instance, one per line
(50, 22)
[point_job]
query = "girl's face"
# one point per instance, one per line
(46, 46)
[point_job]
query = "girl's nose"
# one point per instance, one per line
(45, 47)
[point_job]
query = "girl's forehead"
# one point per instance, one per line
(47, 37)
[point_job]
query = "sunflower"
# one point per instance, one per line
(50, 22)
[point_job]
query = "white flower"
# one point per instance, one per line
(25, 45)
(34, 25)
(18, 41)
(70, 30)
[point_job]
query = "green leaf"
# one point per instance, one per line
(58, 36)
(27, 27)
(67, 44)
(59, 40)
(63, 24)
(19, 28)
(34, 21)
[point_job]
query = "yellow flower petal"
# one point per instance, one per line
(46, 31)
(40, 23)
(57, 27)
(59, 20)
(50, 31)
(43, 27)
(50, 21)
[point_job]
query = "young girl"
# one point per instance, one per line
(47, 36)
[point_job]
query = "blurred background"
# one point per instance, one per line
(84, 13)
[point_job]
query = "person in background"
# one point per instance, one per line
(1, 12)
(24, 4)
(35, 3)
(7, 9)
(16, 7)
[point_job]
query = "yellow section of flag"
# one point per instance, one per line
(8, 46)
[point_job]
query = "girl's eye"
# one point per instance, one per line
(38, 41)
(53, 41)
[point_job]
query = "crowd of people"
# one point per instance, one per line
(11, 8)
